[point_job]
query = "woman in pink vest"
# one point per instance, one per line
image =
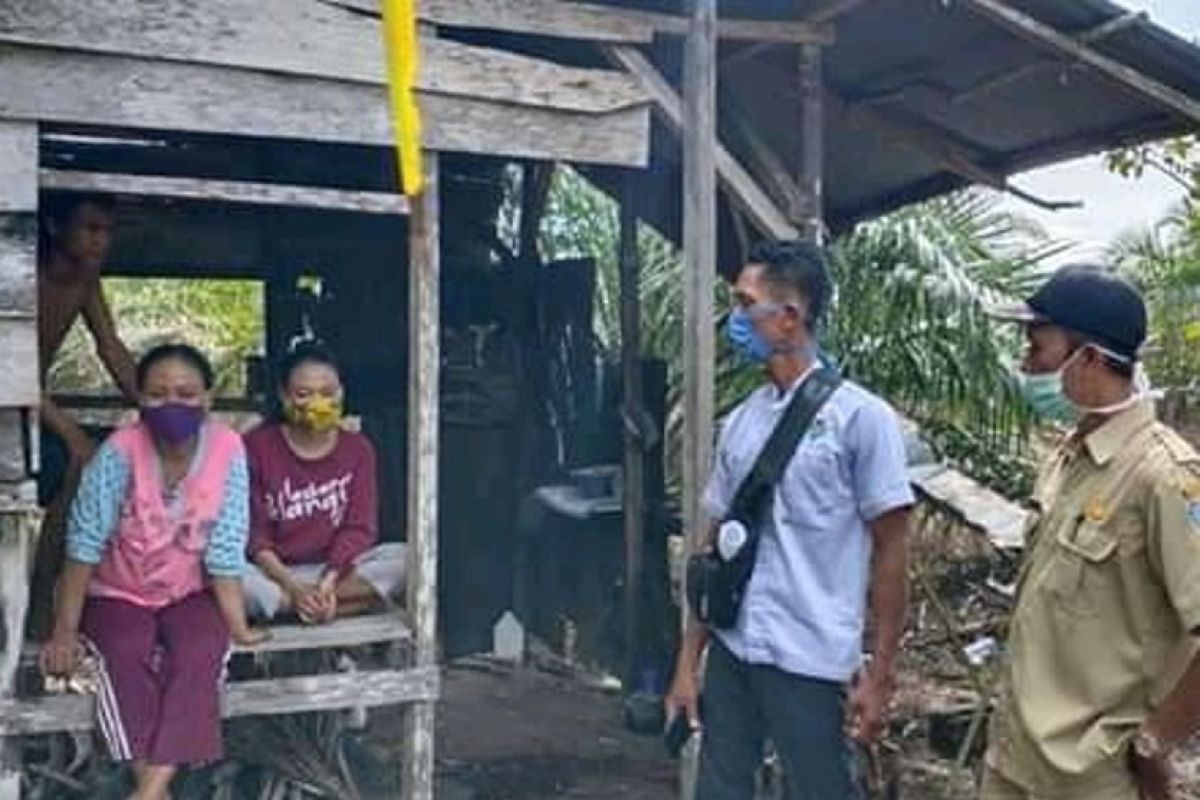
(152, 584)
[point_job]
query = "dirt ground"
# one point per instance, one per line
(523, 734)
(509, 734)
(528, 735)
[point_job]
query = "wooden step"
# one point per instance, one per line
(391, 626)
(327, 692)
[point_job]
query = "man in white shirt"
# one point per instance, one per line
(790, 670)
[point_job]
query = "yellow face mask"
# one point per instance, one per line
(318, 414)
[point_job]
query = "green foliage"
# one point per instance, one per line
(1177, 159)
(224, 318)
(908, 322)
(1165, 262)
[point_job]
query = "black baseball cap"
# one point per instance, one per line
(1091, 301)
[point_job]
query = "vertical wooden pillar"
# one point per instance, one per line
(20, 391)
(812, 153)
(19, 379)
(423, 365)
(699, 256)
(634, 473)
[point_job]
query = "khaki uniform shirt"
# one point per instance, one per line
(1106, 600)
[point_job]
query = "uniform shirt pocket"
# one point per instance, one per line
(814, 484)
(1084, 567)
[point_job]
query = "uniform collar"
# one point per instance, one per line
(786, 397)
(1108, 440)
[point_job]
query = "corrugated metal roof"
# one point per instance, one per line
(910, 61)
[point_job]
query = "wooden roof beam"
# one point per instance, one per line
(939, 145)
(1040, 33)
(222, 191)
(831, 11)
(821, 17)
(587, 21)
(772, 31)
(1011, 76)
(740, 186)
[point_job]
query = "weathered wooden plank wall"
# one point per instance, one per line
(120, 91)
(18, 264)
(306, 39)
(341, 32)
(281, 68)
(237, 193)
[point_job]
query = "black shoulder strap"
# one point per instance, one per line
(777, 452)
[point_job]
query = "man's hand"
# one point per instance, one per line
(684, 697)
(60, 655)
(866, 710)
(1152, 776)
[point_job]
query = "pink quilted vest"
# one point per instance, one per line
(156, 555)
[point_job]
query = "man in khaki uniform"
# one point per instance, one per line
(1101, 679)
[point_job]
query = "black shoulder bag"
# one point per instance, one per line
(715, 584)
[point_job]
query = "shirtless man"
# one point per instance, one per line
(78, 234)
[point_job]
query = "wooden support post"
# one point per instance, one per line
(634, 473)
(1034, 30)
(740, 187)
(699, 259)
(424, 273)
(19, 379)
(20, 392)
(810, 219)
(18, 527)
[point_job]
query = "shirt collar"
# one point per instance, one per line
(786, 397)
(1108, 440)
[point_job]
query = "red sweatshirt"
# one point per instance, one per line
(319, 511)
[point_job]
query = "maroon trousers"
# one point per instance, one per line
(160, 676)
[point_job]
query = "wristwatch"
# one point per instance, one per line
(1147, 745)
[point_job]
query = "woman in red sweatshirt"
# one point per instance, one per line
(313, 505)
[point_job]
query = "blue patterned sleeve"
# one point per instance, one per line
(96, 509)
(226, 553)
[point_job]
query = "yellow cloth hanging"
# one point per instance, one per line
(402, 46)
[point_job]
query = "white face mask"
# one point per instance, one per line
(1046, 394)
(1141, 387)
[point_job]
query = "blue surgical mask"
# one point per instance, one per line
(747, 342)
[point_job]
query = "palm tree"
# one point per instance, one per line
(1165, 262)
(910, 323)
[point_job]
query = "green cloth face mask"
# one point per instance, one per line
(1045, 395)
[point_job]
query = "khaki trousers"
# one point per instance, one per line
(997, 787)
